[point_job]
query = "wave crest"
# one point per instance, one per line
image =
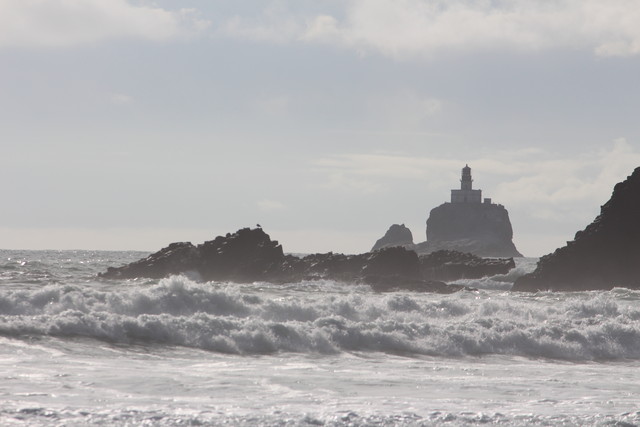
(253, 320)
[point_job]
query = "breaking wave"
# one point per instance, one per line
(128, 417)
(328, 318)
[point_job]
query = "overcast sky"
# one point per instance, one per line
(133, 124)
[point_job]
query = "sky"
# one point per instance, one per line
(133, 124)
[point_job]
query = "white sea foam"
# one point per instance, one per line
(38, 416)
(229, 318)
(502, 281)
(77, 351)
(523, 266)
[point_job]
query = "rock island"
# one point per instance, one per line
(468, 223)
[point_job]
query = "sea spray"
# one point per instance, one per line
(78, 350)
(229, 318)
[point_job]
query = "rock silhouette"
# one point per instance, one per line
(452, 265)
(483, 229)
(250, 255)
(396, 235)
(604, 255)
(466, 224)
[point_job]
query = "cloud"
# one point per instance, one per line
(546, 185)
(402, 110)
(549, 196)
(276, 24)
(63, 23)
(272, 105)
(383, 165)
(406, 28)
(349, 182)
(120, 99)
(270, 205)
(557, 181)
(374, 173)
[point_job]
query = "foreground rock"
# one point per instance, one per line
(604, 255)
(245, 256)
(388, 269)
(452, 265)
(250, 255)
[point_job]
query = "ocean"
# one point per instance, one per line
(76, 350)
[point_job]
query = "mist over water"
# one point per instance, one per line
(77, 350)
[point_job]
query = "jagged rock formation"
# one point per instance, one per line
(452, 265)
(244, 256)
(604, 255)
(180, 257)
(483, 229)
(250, 255)
(396, 235)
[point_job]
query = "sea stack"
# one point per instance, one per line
(396, 235)
(604, 255)
(470, 224)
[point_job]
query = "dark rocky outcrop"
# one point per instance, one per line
(396, 235)
(244, 256)
(483, 229)
(604, 255)
(394, 262)
(384, 270)
(177, 258)
(250, 255)
(451, 265)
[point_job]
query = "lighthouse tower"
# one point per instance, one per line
(466, 193)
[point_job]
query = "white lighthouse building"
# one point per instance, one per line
(466, 193)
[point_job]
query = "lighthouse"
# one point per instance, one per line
(466, 193)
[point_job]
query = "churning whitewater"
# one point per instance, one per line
(77, 350)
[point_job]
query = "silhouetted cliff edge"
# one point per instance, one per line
(604, 255)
